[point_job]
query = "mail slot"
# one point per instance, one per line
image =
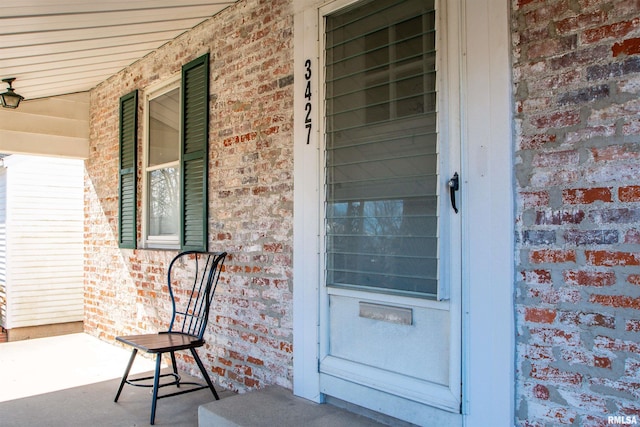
(386, 313)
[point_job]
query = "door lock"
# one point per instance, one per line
(454, 185)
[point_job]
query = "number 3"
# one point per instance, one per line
(307, 66)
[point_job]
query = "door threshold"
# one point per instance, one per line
(368, 413)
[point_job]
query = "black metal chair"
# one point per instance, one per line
(192, 279)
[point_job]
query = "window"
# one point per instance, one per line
(174, 166)
(162, 169)
(382, 154)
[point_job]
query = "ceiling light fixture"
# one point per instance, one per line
(10, 99)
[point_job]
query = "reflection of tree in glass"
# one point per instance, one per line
(384, 243)
(164, 202)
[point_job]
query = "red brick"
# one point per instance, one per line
(632, 325)
(634, 279)
(612, 258)
(615, 152)
(547, 336)
(546, 48)
(626, 47)
(616, 111)
(541, 392)
(625, 7)
(589, 278)
(534, 199)
(547, 12)
(576, 196)
(536, 276)
(632, 236)
(555, 375)
(587, 133)
(632, 410)
(557, 81)
(552, 256)
(522, 3)
(560, 119)
(255, 361)
(629, 194)
(617, 31)
(287, 347)
(618, 301)
(539, 315)
(631, 127)
(536, 141)
(555, 416)
(539, 352)
(273, 247)
(616, 344)
(594, 421)
(251, 383)
(534, 105)
(587, 319)
(602, 362)
(552, 177)
(578, 57)
(555, 159)
(613, 171)
(579, 22)
(550, 295)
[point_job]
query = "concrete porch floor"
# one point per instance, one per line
(71, 380)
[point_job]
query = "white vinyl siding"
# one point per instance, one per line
(3, 246)
(43, 261)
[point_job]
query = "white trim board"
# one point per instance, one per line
(487, 214)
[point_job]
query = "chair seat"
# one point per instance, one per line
(162, 342)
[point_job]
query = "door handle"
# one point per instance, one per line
(454, 185)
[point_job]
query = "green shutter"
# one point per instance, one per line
(194, 154)
(128, 171)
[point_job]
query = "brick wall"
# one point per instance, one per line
(577, 104)
(249, 341)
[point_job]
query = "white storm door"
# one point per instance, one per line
(390, 303)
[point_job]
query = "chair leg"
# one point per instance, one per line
(175, 368)
(156, 383)
(204, 373)
(126, 373)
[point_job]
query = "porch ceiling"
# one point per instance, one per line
(55, 48)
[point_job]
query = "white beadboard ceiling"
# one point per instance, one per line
(57, 47)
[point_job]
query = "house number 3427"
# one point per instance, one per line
(308, 121)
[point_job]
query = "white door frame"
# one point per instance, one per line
(487, 193)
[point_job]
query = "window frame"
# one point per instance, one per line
(152, 92)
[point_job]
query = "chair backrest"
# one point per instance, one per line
(192, 280)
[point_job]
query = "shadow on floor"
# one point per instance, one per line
(92, 405)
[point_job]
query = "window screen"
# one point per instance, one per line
(381, 142)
